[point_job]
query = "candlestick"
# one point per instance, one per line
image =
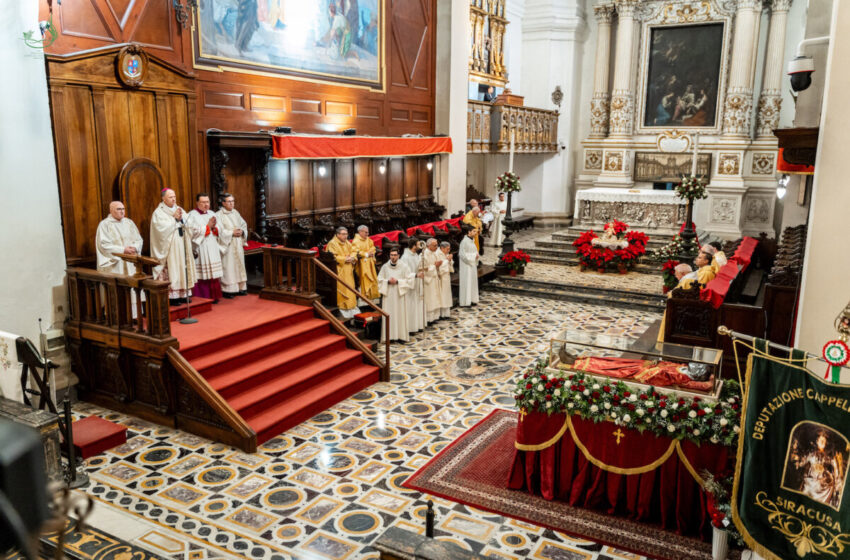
(511, 156)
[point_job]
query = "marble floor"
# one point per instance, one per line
(330, 486)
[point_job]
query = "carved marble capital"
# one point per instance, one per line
(737, 111)
(780, 5)
(754, 5)
(627, 8)
(599, 107)
(622, 112)
(767, 115)
(604, 12)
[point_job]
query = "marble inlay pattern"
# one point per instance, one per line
(328, 487)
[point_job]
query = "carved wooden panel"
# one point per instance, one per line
(344, 184)
(302, 187)
(139, 186)
(364, 183)
(240, 183)
(411, 178)
(380, 181)
(425, 178)
(323, 185)
(395, 180)
(280, 189)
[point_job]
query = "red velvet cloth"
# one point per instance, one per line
(744, 253)
(667, 494)
(294, 146)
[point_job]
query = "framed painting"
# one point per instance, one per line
(664, 167)
(327, 40)
(683, 76)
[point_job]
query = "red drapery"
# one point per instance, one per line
(716, 290)
(617, 470)
(294, 146)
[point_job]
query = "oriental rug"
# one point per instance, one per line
(474, 470)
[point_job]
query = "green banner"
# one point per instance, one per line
(790, 498)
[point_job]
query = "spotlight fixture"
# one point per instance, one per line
(429, 166)
(782, 187)
(382, 168)
(283, 130)
(322, 170)
(349, 132)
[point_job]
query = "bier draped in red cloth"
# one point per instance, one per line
(662, 374)
(615, 469)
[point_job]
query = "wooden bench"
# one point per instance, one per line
(524, 222)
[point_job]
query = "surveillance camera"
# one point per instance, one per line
(800, 69)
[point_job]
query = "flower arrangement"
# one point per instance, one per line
(671, 251)
(668, 273)
(692, 188)
(515, 260)
(599, 257)
(619, 227)
(679, 418)
(718, 492)
(508, 182)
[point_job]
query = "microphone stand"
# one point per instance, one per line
(188, 319)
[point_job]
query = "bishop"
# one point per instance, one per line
(171, 245)
(205, 237)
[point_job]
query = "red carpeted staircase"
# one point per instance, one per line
(276, 364)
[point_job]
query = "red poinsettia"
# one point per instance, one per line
(596, 257)
(515, 260)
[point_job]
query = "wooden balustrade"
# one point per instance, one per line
(489, 129)
(289, 275)
(107, 302)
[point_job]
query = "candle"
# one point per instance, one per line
(511, 156)
(694, 161)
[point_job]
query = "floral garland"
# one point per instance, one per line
(718, 492)
(515, 260)
(508, 182)
(671, 251)
(599, 257)
(692, 188)
(677, 418)
(668, 273)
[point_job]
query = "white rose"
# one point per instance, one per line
(540, 387)
(596, 385)
(663, 413)
(639, 412)
(696, 432)
(731, 401)
(557, 393)
(650, 404)
(671, 428)
(723, 421)
(692, 414)
(577, 397)
(714, 439)
(675, 406)
(633, 397)
(594, 408)
(586, 392)
(736, 429)
(569, 405)
(613, 415)
(548, 404)
(607, 406)
(627, 418)
(707, 410)
(532, 402)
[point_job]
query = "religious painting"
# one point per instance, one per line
(333, 40)
(661, 167)
(683, 75)
(816, 463)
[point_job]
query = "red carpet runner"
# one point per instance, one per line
(473, 470)
(275, 363)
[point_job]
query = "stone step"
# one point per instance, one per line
(564, 258)
(579, 294)
(568, 243)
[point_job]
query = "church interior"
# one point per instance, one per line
(403, 279)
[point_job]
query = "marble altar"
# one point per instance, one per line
(658, 212)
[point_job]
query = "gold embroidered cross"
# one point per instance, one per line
(619, 434)
(522, 414)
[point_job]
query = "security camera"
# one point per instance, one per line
(800, 69)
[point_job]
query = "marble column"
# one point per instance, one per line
(600, 102)
(622, 96)
(737, 112)
(770, 100)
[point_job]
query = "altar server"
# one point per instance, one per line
(412, 259)
(432, 260)
(346, 258)
(171, 245)
(233, 235)
(365, 249)
(474, 222)
(117, 234)
(468, 276)
(205, 238)
(446, 270)
(497, 232)
(395, 283)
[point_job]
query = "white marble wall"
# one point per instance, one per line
(32, 253)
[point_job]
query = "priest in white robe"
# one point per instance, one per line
(468, 276)
(446, 271)
(233, 235)
(117, 234)
(205, 239)
(497, 229)
(395, 282)
(432, 259)
(412, 259)
(171, 245)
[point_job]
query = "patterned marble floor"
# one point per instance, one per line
(328, 487)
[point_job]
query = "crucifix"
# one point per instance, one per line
(619, 434)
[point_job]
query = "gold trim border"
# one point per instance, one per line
(618, 470)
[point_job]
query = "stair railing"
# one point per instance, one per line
(384, 314)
